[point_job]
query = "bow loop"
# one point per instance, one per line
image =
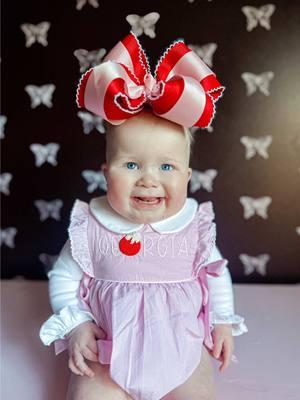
(183, 90)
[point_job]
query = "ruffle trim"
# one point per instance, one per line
(81, 88)
(238, 325)
(58, 325)
(78, 231)
(165, 55)
(142, 53)
(207, 233)
(213, 103)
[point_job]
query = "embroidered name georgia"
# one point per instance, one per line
(173, 246)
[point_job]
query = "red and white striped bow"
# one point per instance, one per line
(183, 90)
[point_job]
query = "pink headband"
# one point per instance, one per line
(183, 90)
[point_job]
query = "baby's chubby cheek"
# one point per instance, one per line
(176, 197)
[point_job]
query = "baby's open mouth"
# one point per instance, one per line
(148, 200)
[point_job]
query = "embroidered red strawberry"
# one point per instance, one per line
(130, 244)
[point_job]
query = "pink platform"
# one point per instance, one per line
(269, 354)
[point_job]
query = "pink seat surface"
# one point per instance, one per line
(268, 355)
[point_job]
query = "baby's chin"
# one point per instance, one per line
(145, 216)
(146, 219)
(142, 216)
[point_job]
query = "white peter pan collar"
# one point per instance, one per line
(109, 218)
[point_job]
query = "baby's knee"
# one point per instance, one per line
(86, 392)
(100, 387)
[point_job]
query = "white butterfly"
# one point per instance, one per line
(256, 145)
(7, 236)
(48, 260)
(90, 122)
(254, 263)
(88, 59)
(81, 3)
(262, 82)
(49, 209)
(258, 206)
(36, 33)
(95, 179)
(204, 179)
(143, 24)
(3, 120)
(259, 15)
(205, 52)
(45, 153)
(298, 230)
(5, 179)
(40, 94)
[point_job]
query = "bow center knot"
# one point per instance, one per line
(152, 88)
(149, 83)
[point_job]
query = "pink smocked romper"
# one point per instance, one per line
(154, 305)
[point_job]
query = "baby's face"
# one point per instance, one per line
(147, 160)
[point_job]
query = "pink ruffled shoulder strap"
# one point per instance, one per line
(206, 233)
(78, 233)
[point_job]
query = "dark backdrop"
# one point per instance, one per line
(248, 164)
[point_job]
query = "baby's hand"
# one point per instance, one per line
(82, 342)
(223, 344)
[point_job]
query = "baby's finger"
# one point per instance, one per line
(89, 354)
(81, 365)
(217, 348)
(226, 355)
(73, 367)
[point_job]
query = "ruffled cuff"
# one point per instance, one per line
(58, 325)
(238, 325)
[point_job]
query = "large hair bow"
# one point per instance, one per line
(183, 90)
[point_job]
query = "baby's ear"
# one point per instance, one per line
(189, 174)
(104, 169)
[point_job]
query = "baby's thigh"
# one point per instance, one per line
(100, 387)
(200, 385)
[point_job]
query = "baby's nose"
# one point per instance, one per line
(148, 180)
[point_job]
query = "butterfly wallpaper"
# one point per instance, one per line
(247, 162)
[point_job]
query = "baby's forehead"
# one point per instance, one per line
(147, 133)
(143, 137)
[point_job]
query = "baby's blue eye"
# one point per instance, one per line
(131, 165)
(167, 167)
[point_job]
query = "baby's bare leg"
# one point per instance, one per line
(100, 387)
(200, 385)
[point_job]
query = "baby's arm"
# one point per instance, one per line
(69, 321)
(222, 299)
(64, 281)
(225, 322)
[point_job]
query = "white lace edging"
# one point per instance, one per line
(237, 322)
(213, 102)
(89, 71)
(78, 236)
(58, 325)
(141, 51)
(174, 43)
(207, 217)
(131, 110)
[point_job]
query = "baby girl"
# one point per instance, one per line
(142, 297)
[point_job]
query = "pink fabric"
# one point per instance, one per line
(153, 306)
